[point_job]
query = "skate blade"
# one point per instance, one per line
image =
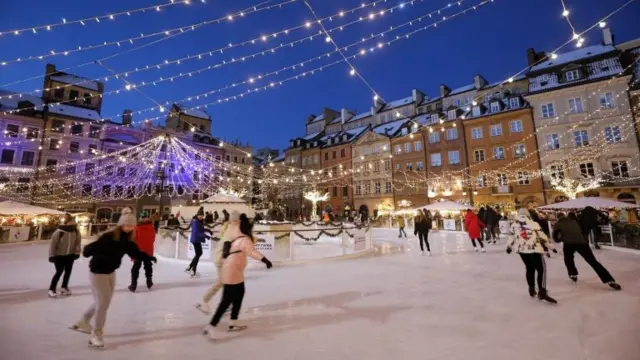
(202, 310)
(237, 328)
(75, 328)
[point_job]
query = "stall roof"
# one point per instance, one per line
(583, 202)
(14, 208)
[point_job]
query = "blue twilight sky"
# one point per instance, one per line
(491, 40)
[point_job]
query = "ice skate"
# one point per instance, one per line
(532, 292)
(212, 332)
(475, 249)
(65, 292)
(236, 326)
(573, 278)
(614, 285)
(195, 275)
(421, 252)
(82, 326)
(53, 294)
(484, 250)
(204, 307)
(132, 288)
(543, 296)
(149, 283)
(187, 270)
(96, 339)
(428, 253)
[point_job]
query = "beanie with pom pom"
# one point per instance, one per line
(127, 218)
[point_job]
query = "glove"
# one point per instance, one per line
(547, 253)
(52, 259)
(509, 250)
(76, 256)
(267, 262)
(554, 251)
(154, 260)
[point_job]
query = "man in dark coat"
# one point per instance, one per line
(588, 222)
(569, 232)
(492, 218)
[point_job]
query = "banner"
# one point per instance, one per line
(449, 224)
(265, 243)
(18, 233)
(505, 227)
(206, 250)
(360, 240)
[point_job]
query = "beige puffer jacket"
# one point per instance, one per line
(241, 247)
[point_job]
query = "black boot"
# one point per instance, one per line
(614, 285)
(543, 296)
(573, 278)
(532, 291)
(132, 287)
(149, 283)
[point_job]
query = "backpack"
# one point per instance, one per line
(226, 248)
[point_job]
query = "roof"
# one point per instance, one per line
(397, 103)
(515, 78)
(357, 131)
(317, 118)
(76, 81)
(10, 207)
(360, 116)
(311, 136)
(428, 100)
(278, 158)
(631, 44)
(123, 138)
(12, 103)
(74, 111)
(580, 54)
(197, 113)
(462, 89)
(389, 128)
(485, 107)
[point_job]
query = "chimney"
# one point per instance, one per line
(444, 90)
(479, 82)
(418, 96)
(607, 36)
(127, 117)
(378, 104)
(344, 113)
(531, 56)
(49, 69)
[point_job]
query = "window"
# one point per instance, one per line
(409, 166)
(454, 157)
(475, 111)
(514, 103)
(12, 131)
(612, 134)
(28, 158)
(54, 144)
(523, 178)
(516, 126)
(335, 191)
(74, 147)
(57, 126)
(547, 110)
(58, 93)
(76, 129)
(23, 185)
(434, 118)
(572, 75)
(7, 156)
(606, 101)
(405, 131)
(620, 168)
(407, 147)
(552, 141)
(436, 160)
(557, 171)
(345, 191)
(398, 166)
(375, 149)
(109, 170)
(478, 155)
(73, 94)
(86, 189)
(387, 165)
(377, 187)
(495, 107)
(452, 133)
(398, 149)
(87, 99)
(451, 114)
(417, 145)
(88, 168)
(367, 188)
(519, 151)
(326, 156)
(334, 155)
(342, 153)
(387, 187)
(476, 133)
(434, 137)
(496, 130)
(456, 102)
(498, 153)
(501, 179)
(575, 105)
(376, 166)
(481, 181)
(51, 165)
(358, 189)
(70, 168)
(32, 133)
(122, 171)
(419, 165)
(587, 170)
(581, 138)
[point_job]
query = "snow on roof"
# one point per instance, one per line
(311, 136)
(16, 98)
(515, 78)
(389, 128)
(74, 111)
(193, 112)
(123, 137)
(318, 118)
(76, 81)
(462, 89)
(398, 103)
(580, 54)
(278, 158)
(357, 131)
(360, 116)
(428, 100)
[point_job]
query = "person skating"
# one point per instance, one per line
(235, 260)
(421, 229)
(568, 230)
(225, 215)
(216, 217)
(234, 223)
(197, 238)
(492, 224)
(64, 249)
(156, 218)
(401, 225)
(531, 243)
(589, 222)
(145, 236)
(106, 257)
(474, 227)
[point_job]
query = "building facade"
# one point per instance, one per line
(409, 166)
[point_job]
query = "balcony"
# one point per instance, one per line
(502, 190)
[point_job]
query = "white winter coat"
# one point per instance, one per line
(527, 237)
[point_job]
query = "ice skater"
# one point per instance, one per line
(106, 256)
(64, 249)
(232, 225)
(474, 227)
(401, 225)
(492, 223)
(568, 230)
(197, 238)
(422, 224)
(145, 236)
(532, 244)
(235, 254)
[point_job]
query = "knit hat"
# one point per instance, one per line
(127, 218)
(235, 215)
(200, 211)
(523, 212)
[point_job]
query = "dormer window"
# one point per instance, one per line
(298, 142)
(434, 118)
(476, 111)
(514, 103)
(452, 114)
(405, 131)
(329, 141)
(292, 143)
(315, 143)
(572, 75)
(495, 107)
(344, 137)
(488, 98)
(456, 102)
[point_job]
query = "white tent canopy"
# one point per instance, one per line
(446, 205)
(217, 203)
(223, 199)
(594, 202)
(10, 207)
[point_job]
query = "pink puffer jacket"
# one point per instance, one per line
(233, 266)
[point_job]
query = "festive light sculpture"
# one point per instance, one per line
(315, 196)
(572, 187)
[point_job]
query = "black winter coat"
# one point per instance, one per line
(106, 253)
(421, 226)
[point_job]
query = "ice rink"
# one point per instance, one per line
(396, 304)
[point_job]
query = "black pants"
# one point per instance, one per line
(63, 264)
(535, 263)
(197, 247)
(473, 241)
(587, 255)
(231, 295)
(424, 237)
(156, 225)
(135, 270)
(402, 232)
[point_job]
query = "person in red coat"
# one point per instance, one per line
(474, 227)
(145, 236)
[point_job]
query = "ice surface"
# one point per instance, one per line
(396, 304)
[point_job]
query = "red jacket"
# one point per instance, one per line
(145, 236)
(473, 225)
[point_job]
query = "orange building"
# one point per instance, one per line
(409, 166)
